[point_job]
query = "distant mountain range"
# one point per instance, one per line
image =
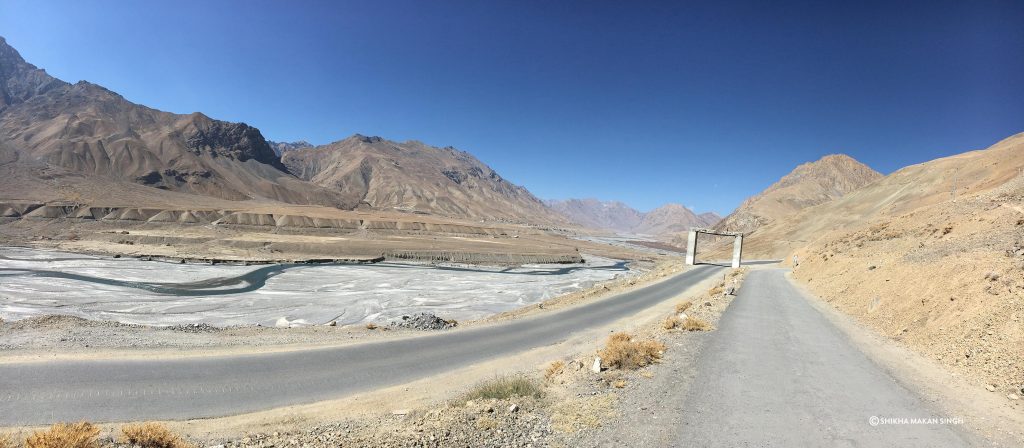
(104, 145)
(619, 217)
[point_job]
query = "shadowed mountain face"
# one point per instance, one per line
(413, 176)
(86, 129)
(806, 186)
(613, 215)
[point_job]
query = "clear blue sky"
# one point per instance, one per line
(702, 103)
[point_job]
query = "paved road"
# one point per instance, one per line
(40, 393)
(778, 373)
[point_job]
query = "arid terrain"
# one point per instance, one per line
(244, 292)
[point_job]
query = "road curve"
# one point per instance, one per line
(778, 373)
(120, 390)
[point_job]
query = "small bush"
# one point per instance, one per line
(554, 369)
(505, 387)
(622, 352)
(65, 435)
(486, 423)
(683, 306)
(671, 322)
(151, 435)
(694, 324)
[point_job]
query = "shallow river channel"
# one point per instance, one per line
(37, 282)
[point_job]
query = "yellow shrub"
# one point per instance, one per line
(694, 324)
(671, 322)
(683, 306)
(555, 368)
(65, 435)
(622, 352)
(151, 435)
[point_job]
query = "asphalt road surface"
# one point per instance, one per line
(120, 390)
(778, 373)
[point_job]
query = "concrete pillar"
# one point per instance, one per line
(691, 247)
(737, 251)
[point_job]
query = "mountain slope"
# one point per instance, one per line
(901, 256)
(901, 192)
(672, 218)
(595, 214)
(807, 185)
(413, 176)
(87, 129)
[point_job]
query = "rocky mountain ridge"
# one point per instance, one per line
(415, 177)
(99, 142)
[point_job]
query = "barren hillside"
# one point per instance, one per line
(47, 124)
(942, 277)
(899, 193)
(807, 185)
(416, 177)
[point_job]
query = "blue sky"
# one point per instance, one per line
(700, 103)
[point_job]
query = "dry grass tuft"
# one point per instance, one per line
(671, 322)
(505, 387)
(715, 291)
(65, 435)
(683, 306)
(5, 442)
(619, 384)
(371, 326)
(694, 324)
(486, 423)
(622, 352)
(554, 369)
(151, 435)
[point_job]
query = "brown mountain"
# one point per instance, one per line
(98, 141)
(596, 214)
(932, 252)
(416, 177)
(85, 129)
(807, 185)
(673, 218)
(901, 193)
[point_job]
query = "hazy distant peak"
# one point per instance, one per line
(282, 147)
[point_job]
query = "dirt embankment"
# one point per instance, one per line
(946, 280)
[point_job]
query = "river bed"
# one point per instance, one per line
(41, 282)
